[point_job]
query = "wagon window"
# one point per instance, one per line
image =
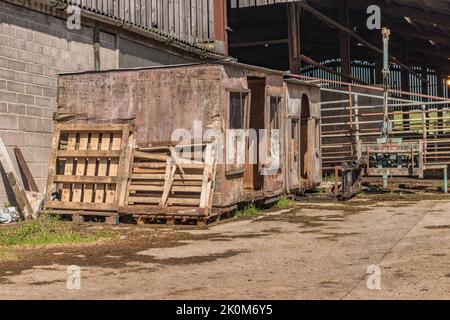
(275, 113)
(237, 109)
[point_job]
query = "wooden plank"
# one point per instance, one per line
(91, 169)
(89, 154)
(68, 169)
(187, 177)
(84, 180)
(161, 165)
(98, 128)
(126, 160)
(150, 156)
(25, 208)
(80, 206)
(196, 183)
(170, 174)
(148, 171)
(160, 188)
(113, 167)
(26, 171)
(102, 168)
(81, 165)
(52, 163)
(170, 202)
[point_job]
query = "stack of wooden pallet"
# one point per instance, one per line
(172, 182)
(96, 171)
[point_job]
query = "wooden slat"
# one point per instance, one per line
(170, 174)
(150, 156)
(156, 188)
(126, 159)
(162, 165)
(89, 154)
(177, 176)
(25, 209)
(102, 168)
(79, 127)
(114, 166)
(52, 163)
(91, 169)
(81, 165)
(68, 169)
(26, 170)
(170, 202)
(85, 180)
(80, 206)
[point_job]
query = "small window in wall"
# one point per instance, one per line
(237, 109)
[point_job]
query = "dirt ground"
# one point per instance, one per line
(319, 249)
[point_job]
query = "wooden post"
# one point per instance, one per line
(294, 15)
(344, 39)
(220, 25)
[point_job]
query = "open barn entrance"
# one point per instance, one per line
(253, 180)
(304, 136)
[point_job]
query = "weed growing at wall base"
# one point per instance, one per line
(283, 203)
(248, 211)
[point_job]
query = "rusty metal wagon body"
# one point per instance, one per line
(114, 151)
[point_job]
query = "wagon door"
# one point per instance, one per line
(294, 154)
(293, 142)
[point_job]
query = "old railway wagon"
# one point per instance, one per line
(114, 151)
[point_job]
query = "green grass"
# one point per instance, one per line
(248, 211)
(283, 203)
(417, 121)
(48, 230)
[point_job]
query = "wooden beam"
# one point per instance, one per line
(259, 43)
(294, 35)
(25, 210)
(344, 40)
(25, 170)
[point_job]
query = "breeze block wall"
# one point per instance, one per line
(34, 48)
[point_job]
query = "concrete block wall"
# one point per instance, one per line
(34, 48)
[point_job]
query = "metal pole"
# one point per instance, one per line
(386, 33)
(446, 180)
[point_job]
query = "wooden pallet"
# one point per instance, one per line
(165, 181)
(111, 218)
(89, 167)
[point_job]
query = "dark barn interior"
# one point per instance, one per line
(330, 39)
